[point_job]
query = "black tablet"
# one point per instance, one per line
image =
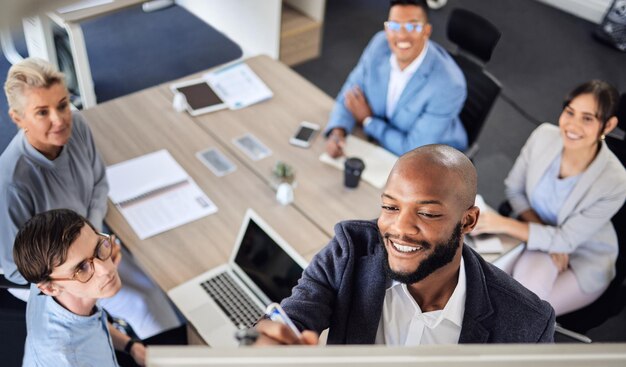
(199, 95)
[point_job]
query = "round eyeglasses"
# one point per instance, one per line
(408, 26)
(85, 270)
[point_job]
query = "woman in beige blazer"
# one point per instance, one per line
(564, 188)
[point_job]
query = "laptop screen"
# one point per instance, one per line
(267, 264)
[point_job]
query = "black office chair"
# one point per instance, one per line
(475, 38)
(12, 324)
(613, 300)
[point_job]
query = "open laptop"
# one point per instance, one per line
(262, 269)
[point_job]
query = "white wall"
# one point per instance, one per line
(254, 25)
(591, 10)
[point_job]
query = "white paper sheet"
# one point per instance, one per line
(378, 161)
(155, 194)
(485, 243)
(167, 210)
(143, 174)
(481, 204)
(488, 244)
(238, 86)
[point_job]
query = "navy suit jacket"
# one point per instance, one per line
(429, 106)
(344, 286)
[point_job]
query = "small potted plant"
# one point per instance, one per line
(285, 182)
(283, 172)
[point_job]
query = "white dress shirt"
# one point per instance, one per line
(398, 79)
(403, 323)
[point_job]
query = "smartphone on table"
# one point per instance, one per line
(305, 134)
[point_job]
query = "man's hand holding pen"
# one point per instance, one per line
(336, 142)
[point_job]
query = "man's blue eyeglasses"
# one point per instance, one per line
(397, 26)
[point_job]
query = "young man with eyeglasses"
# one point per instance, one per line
(405, 92)
(70, 266)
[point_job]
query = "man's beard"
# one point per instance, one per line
(442, 255)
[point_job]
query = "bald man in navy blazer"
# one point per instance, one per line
(408, 278)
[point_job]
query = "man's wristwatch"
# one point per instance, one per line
(129, 345)
(367, 120)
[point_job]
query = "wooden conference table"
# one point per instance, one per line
(320, 194)
(145, 121)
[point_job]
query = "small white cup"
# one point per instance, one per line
(284, 194)
(180, 102)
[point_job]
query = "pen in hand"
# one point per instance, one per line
(335, 145)
(276, 313)
(277, 328)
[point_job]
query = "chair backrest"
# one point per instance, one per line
(621, 113)
(618, 147)
(475, 38)
(472, 34)
(482, 91)
(13, 326)
(619, 222)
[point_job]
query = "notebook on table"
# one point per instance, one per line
(378, 161)
(262, 269)
(155, 194)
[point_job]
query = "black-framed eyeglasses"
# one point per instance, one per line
(85, 270)
(396, 27)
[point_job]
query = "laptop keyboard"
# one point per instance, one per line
(235, 303)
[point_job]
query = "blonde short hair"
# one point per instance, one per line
(29, 73)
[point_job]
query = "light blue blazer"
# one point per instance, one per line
(584, 229)
(428, 108)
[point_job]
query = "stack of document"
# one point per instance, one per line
(237, 85)
(378, 161)
(155, 194)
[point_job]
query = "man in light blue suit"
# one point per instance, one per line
(405, 92)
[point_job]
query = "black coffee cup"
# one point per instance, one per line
(352, 172)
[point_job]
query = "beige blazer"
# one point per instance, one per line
(584, 229)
